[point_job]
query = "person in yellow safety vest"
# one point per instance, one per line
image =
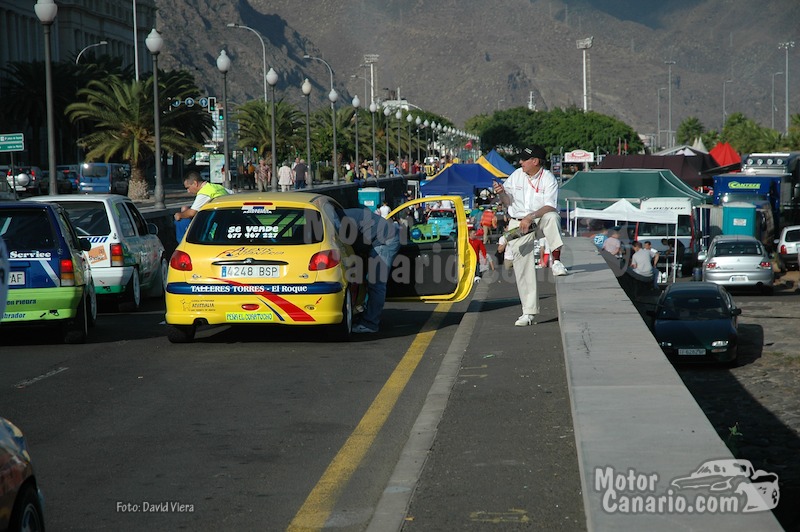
(203, 192)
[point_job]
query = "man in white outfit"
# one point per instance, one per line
(531, 195)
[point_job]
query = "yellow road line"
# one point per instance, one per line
(320, 502)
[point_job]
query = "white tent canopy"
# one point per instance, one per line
(624, 210)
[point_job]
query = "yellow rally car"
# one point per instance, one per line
(280, 258)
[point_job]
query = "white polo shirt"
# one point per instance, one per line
(530, 193)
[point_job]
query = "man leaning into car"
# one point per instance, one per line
(203, 192)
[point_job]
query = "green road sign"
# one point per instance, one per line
(12, 142)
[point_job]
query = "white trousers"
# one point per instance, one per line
(548, 225)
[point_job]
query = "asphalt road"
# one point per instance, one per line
(130, 432)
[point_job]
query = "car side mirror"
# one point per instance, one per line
(736, 312)
(152, 228)
(702, 256)
(776, 241)
(85, 244)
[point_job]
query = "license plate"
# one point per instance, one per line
(738, 278)
(251, 271)
(691, 351)
(16, 279)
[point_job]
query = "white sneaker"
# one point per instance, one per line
(525, 320)
(477, 279)
(558, 268)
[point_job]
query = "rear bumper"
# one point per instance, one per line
(727, 278)
(111, 280)
(41, 305)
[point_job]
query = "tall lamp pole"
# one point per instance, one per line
(585, 44)
(356, 105)
(387, 112)
(154, 43)
(224, 65)
(372, 108)
(724, 114)
(418, 121)
(426, 124)
(786, 45)
(409, 119)
(669, 93)
(306, 87)
(46, 12)
(332, 96)
(263, 51)
(658, 125)
(773, 97)
(399, 116)
(101, 43)
(272, 79)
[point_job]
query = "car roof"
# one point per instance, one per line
(735, 238)
(81, 197)
(294, 199)
(690, 287)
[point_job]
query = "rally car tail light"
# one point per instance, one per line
(765, 265)
(324, 260)
(117, 258)
(181, 261)
(783, 249)
(67, 273)
(711, 265)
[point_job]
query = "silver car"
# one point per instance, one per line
(738, 261)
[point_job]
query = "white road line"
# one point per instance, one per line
(28, 382)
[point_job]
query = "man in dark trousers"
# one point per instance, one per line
(377, 239)
(300, 175)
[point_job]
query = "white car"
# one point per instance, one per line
(127, 257)
(788, 245)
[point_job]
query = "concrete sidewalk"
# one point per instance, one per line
(559, 425)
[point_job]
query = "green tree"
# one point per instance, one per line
(744, 135)
(689, 130)
(121, 118)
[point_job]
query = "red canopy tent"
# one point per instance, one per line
(725, 155)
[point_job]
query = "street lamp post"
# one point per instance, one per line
(154, 43)
(224, 65)
(307, 92)
(418, 121)
(669, 93)
(585, 44)
(46, 12)
(356, 105)
(332, 96)
(399, 115)
(387, 112)
(426, 124)
(409, 119)
(724, 114)
(272, 79)
(786, 46)
(263, 50)
(101, 43)
(658, 125)
(372, 108)
(773, 97)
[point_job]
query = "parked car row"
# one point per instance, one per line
(68, 252)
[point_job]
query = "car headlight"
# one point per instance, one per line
(665, 344)
(719, 343)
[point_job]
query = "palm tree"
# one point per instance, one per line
(255, 129)
(121, 115)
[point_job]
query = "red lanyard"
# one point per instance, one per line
(538, 180)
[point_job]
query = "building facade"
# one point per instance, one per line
(78, 24)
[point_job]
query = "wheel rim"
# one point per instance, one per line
(348, 310)
(164, 274)
(30, 518)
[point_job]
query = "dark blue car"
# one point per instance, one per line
(697, 322)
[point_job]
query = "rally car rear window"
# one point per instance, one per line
(88, 217)
(257, 224)
(27, 229)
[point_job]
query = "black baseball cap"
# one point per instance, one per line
(533, 151)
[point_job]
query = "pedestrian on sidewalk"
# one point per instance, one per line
(531, 195)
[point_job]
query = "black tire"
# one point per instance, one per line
(27, 513)
(180, 334)
(92, 313)
(77, 330)
(341, 331)
(133, 293)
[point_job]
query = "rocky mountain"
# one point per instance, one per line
(467, 57)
